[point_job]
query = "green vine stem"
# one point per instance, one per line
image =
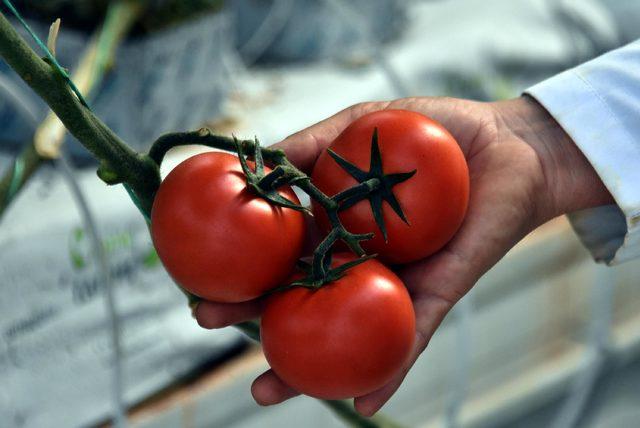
(96, 61)
(318, 274)
(123, 164)
(347, 413)
(284, 173)
(120, 164)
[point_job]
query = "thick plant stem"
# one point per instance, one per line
(120, 164)
(138, 171)
(345, 411)
(95, 63)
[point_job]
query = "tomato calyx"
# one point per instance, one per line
(315, 279)
(374, 185)
(266, 185)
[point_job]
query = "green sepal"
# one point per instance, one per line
(256, 179)
(353, 170)
(375, 200)
(331, 275)
(339, 271)
(383, 192)
(243, 161)
(375, 162)
(353, 241)
(258, 158)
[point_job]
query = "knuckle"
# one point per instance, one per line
(360, 109)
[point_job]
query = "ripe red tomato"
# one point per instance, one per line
(343, 340)
(216, 238)
(434, 200)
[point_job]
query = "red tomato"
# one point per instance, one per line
(434, 200)
(343, 340)
(216, 238)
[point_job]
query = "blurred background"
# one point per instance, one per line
(92, 328)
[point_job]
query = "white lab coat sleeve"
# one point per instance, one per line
(598, 105)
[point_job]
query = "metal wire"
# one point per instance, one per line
(27, 110)
(19, 99)
(99, 253)
(272, 24)
(236, 61)
(351, 17)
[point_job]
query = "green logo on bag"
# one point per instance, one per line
(81, 254)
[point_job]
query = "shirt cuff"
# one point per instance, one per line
(612, 233)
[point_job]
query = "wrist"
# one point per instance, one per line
(571, 182)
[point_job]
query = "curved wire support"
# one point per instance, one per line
(351, 16)
(19, 99)
(272, 24)
(27, 110)
(99, 253)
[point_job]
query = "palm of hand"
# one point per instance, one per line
(507, 179)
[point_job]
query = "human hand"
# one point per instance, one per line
(524, 171)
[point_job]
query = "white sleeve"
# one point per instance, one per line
(598, 105)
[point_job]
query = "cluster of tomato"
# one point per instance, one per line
(349, 337)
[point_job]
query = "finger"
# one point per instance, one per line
(436, 283)
(218, 315)
(368, 405)
(495, 222)
(268, 389)
(304, 147)
(457, 116)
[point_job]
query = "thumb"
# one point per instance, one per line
(304, 147)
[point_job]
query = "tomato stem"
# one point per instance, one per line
(383, 190)
(256, 179)
(97, 60)
(283, 173)
(347, 413)
(357, 193)
(274, 179)
(140, 172)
